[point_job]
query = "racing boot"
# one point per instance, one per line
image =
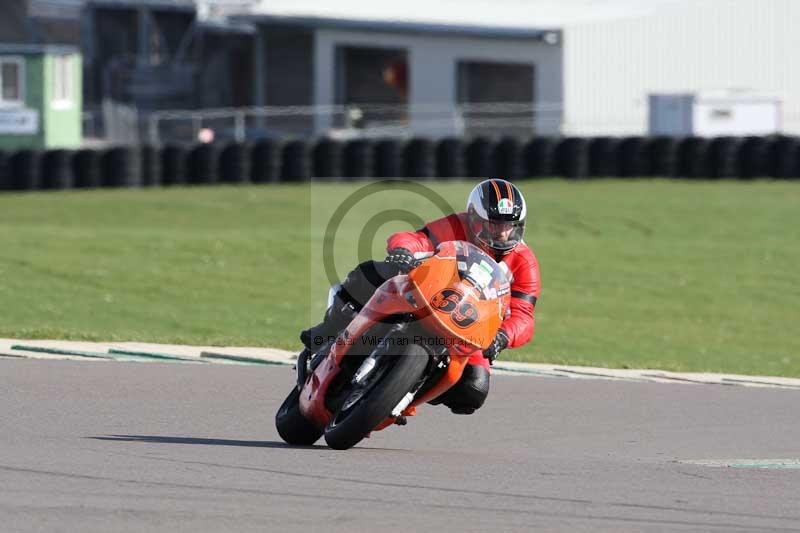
(337, 317)
(468, 395)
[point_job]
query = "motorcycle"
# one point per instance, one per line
(407, 346)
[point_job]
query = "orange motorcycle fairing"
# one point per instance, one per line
(465, 294)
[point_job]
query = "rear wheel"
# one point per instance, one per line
(369, 406)
(292, 426)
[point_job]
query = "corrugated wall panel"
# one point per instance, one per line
(611, 66)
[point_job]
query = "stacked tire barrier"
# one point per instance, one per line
(173, 165)
(57, 172)
(420, 159)
(693, 158)
(723, 157)
(235, 163)
(603, 160)
(266, 162)
(754, 159)
(389, 159)
(664, 157)
(508, 157)
(539, 157)
(203, 165)
(298, 161)
(786, 157)
(327, 159)
(634, 157)
(359, 159)
(121, 167)
(5, 176)
(480, 157)
(87, 170)
(572, 157)
(450, 158)
(151, 166)
(25, 170)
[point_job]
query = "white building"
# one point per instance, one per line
(611, 66)
(596, 61)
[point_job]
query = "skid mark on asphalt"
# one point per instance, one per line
(393, 502)
(690, 474)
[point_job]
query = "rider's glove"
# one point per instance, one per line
(499, 344)
(403, 259)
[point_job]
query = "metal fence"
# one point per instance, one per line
(350, 121)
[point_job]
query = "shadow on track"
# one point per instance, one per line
(206, 442)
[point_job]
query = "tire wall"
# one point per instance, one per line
(324, 159)
(359, 160)
(234, 163)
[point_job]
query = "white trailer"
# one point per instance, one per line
(710, 114)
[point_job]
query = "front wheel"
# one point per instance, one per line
(351, 424)
(292, 426)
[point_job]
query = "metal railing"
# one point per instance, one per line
(353, 121)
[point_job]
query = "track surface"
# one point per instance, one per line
(168, 447)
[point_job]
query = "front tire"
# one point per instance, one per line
(292, 426)
(348, 428)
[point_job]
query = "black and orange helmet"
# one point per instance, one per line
(496, 214)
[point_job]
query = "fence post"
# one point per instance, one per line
(152, 129)
(239, 128)
(197, 125)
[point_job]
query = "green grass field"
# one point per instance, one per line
(690, 276)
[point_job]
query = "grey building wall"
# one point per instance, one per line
(226, 76)
(288, 56)
(432, 61)
(283, 65)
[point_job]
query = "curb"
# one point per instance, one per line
(144, 352)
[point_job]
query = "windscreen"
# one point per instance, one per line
(480, 270)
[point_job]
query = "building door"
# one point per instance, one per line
(497, 99)
(373, 83)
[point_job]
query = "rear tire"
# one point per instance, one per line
(292, 426)
(348, 429)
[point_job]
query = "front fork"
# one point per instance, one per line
(439, 359)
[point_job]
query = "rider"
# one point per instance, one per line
(495, 222)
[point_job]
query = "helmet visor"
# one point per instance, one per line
(497, 234)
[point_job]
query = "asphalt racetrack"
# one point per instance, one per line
(92, 446)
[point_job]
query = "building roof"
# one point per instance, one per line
(467, 30)
(72, 8)
(490, 18)
(502, 15)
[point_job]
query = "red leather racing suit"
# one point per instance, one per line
(522, 266)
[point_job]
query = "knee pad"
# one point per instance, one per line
(470, 392)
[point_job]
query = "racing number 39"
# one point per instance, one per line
(463, 314)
